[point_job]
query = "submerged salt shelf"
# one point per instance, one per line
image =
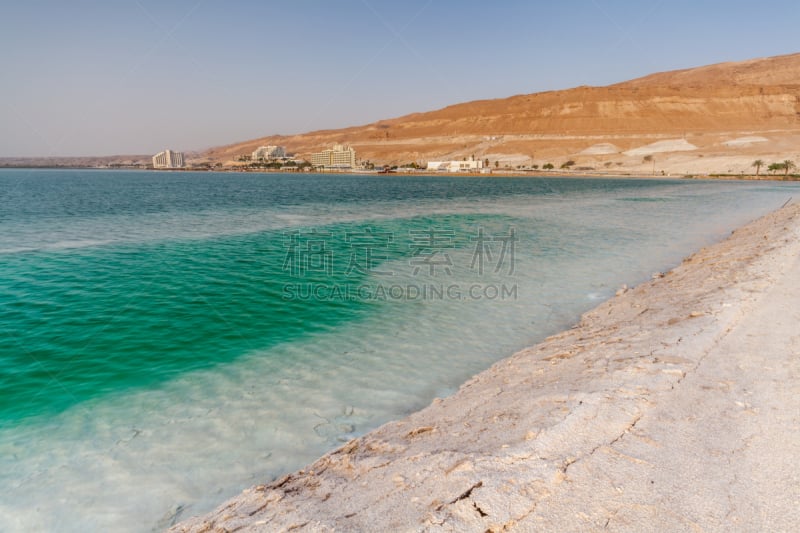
(181, 439)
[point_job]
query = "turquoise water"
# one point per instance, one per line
(169, 339)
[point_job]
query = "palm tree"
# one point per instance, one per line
(788, 165)
(758, 163)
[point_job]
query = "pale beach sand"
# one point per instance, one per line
(674, 406)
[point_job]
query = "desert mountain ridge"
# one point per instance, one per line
(714, 118)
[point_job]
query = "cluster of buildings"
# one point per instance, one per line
(169, 159)
(339, 157)
(471, 165)
(264, 153)
(343, 157)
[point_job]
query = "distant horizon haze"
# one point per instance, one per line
(99, 79)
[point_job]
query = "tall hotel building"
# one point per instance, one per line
(168, 159)
(340, 156)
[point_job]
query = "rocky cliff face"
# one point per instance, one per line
(707, 106)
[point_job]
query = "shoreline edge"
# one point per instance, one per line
(672, 406)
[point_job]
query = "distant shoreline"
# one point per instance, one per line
(497, 173)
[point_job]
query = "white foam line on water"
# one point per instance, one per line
(120, 229)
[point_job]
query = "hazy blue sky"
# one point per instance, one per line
(100, 77)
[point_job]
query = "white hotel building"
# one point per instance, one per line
(340, 156)
(168, 159)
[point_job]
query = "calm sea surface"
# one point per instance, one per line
(168, 339)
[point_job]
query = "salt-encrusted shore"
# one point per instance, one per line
(674, 406)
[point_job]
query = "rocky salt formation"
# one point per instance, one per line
(674, 406)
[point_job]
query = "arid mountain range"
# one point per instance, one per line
(716, 118)
(712, 119)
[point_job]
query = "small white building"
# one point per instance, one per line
(471, 165)
(268, 152)
(168, 159)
